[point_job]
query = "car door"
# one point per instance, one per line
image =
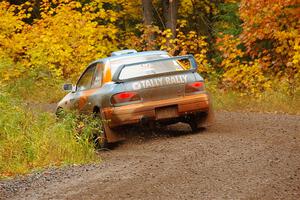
(83, 89)
(94, 94)
(88, 88)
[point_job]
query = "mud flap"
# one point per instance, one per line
(111, 135)
(210, 117)
(208, 120)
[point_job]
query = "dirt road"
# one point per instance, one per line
(243, 156)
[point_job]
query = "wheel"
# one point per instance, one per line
(99, 136)
(199, 121)
(194, 121)
(194, 125)
(101, 141)
(60, 113)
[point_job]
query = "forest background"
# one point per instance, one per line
(248, 51)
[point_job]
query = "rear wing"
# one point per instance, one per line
(116, 76)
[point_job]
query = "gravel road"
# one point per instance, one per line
(243, 156)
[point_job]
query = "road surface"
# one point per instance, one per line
(243, 156)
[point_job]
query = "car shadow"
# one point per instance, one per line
(140, 135)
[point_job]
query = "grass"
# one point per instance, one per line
(31, 89)
(31, 140)
(267, 102)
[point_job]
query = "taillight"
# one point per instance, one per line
(194, 87)
(124, 97)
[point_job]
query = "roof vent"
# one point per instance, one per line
(123, 52)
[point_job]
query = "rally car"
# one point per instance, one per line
(131, 87)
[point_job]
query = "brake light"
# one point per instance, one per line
(194, 87)
(124, 97)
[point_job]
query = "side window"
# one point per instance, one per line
(84, 82)
(97, 80)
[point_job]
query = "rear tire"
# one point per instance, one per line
(101, 141)
(194, 125)
(99, 137)
(199, 121)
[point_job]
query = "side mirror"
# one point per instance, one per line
(68, 87)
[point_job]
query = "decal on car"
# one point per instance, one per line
(157, 82)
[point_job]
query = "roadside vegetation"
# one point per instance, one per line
(33, 140)
(267, 102)
(247, 50)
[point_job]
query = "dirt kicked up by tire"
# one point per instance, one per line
(243, 156)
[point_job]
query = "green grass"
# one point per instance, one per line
(31, 140)
(268, 102)
(35, 90)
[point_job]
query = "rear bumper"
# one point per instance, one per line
(134, 113)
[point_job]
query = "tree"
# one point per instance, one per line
(170, 14)
(148, 21)
(147, 12)
(170, 10)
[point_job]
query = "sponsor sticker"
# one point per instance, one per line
(157, 82)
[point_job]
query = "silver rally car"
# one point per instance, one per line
(131, 87)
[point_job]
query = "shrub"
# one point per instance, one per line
(56, 42)
(31, 140)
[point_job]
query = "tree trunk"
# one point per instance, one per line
(37, 9)
(148, 20)
(147, 12)
(170, 10)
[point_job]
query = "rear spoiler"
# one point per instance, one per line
(191, 58)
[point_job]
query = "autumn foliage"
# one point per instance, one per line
(63, 36)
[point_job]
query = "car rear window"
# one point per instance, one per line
(144, 69)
